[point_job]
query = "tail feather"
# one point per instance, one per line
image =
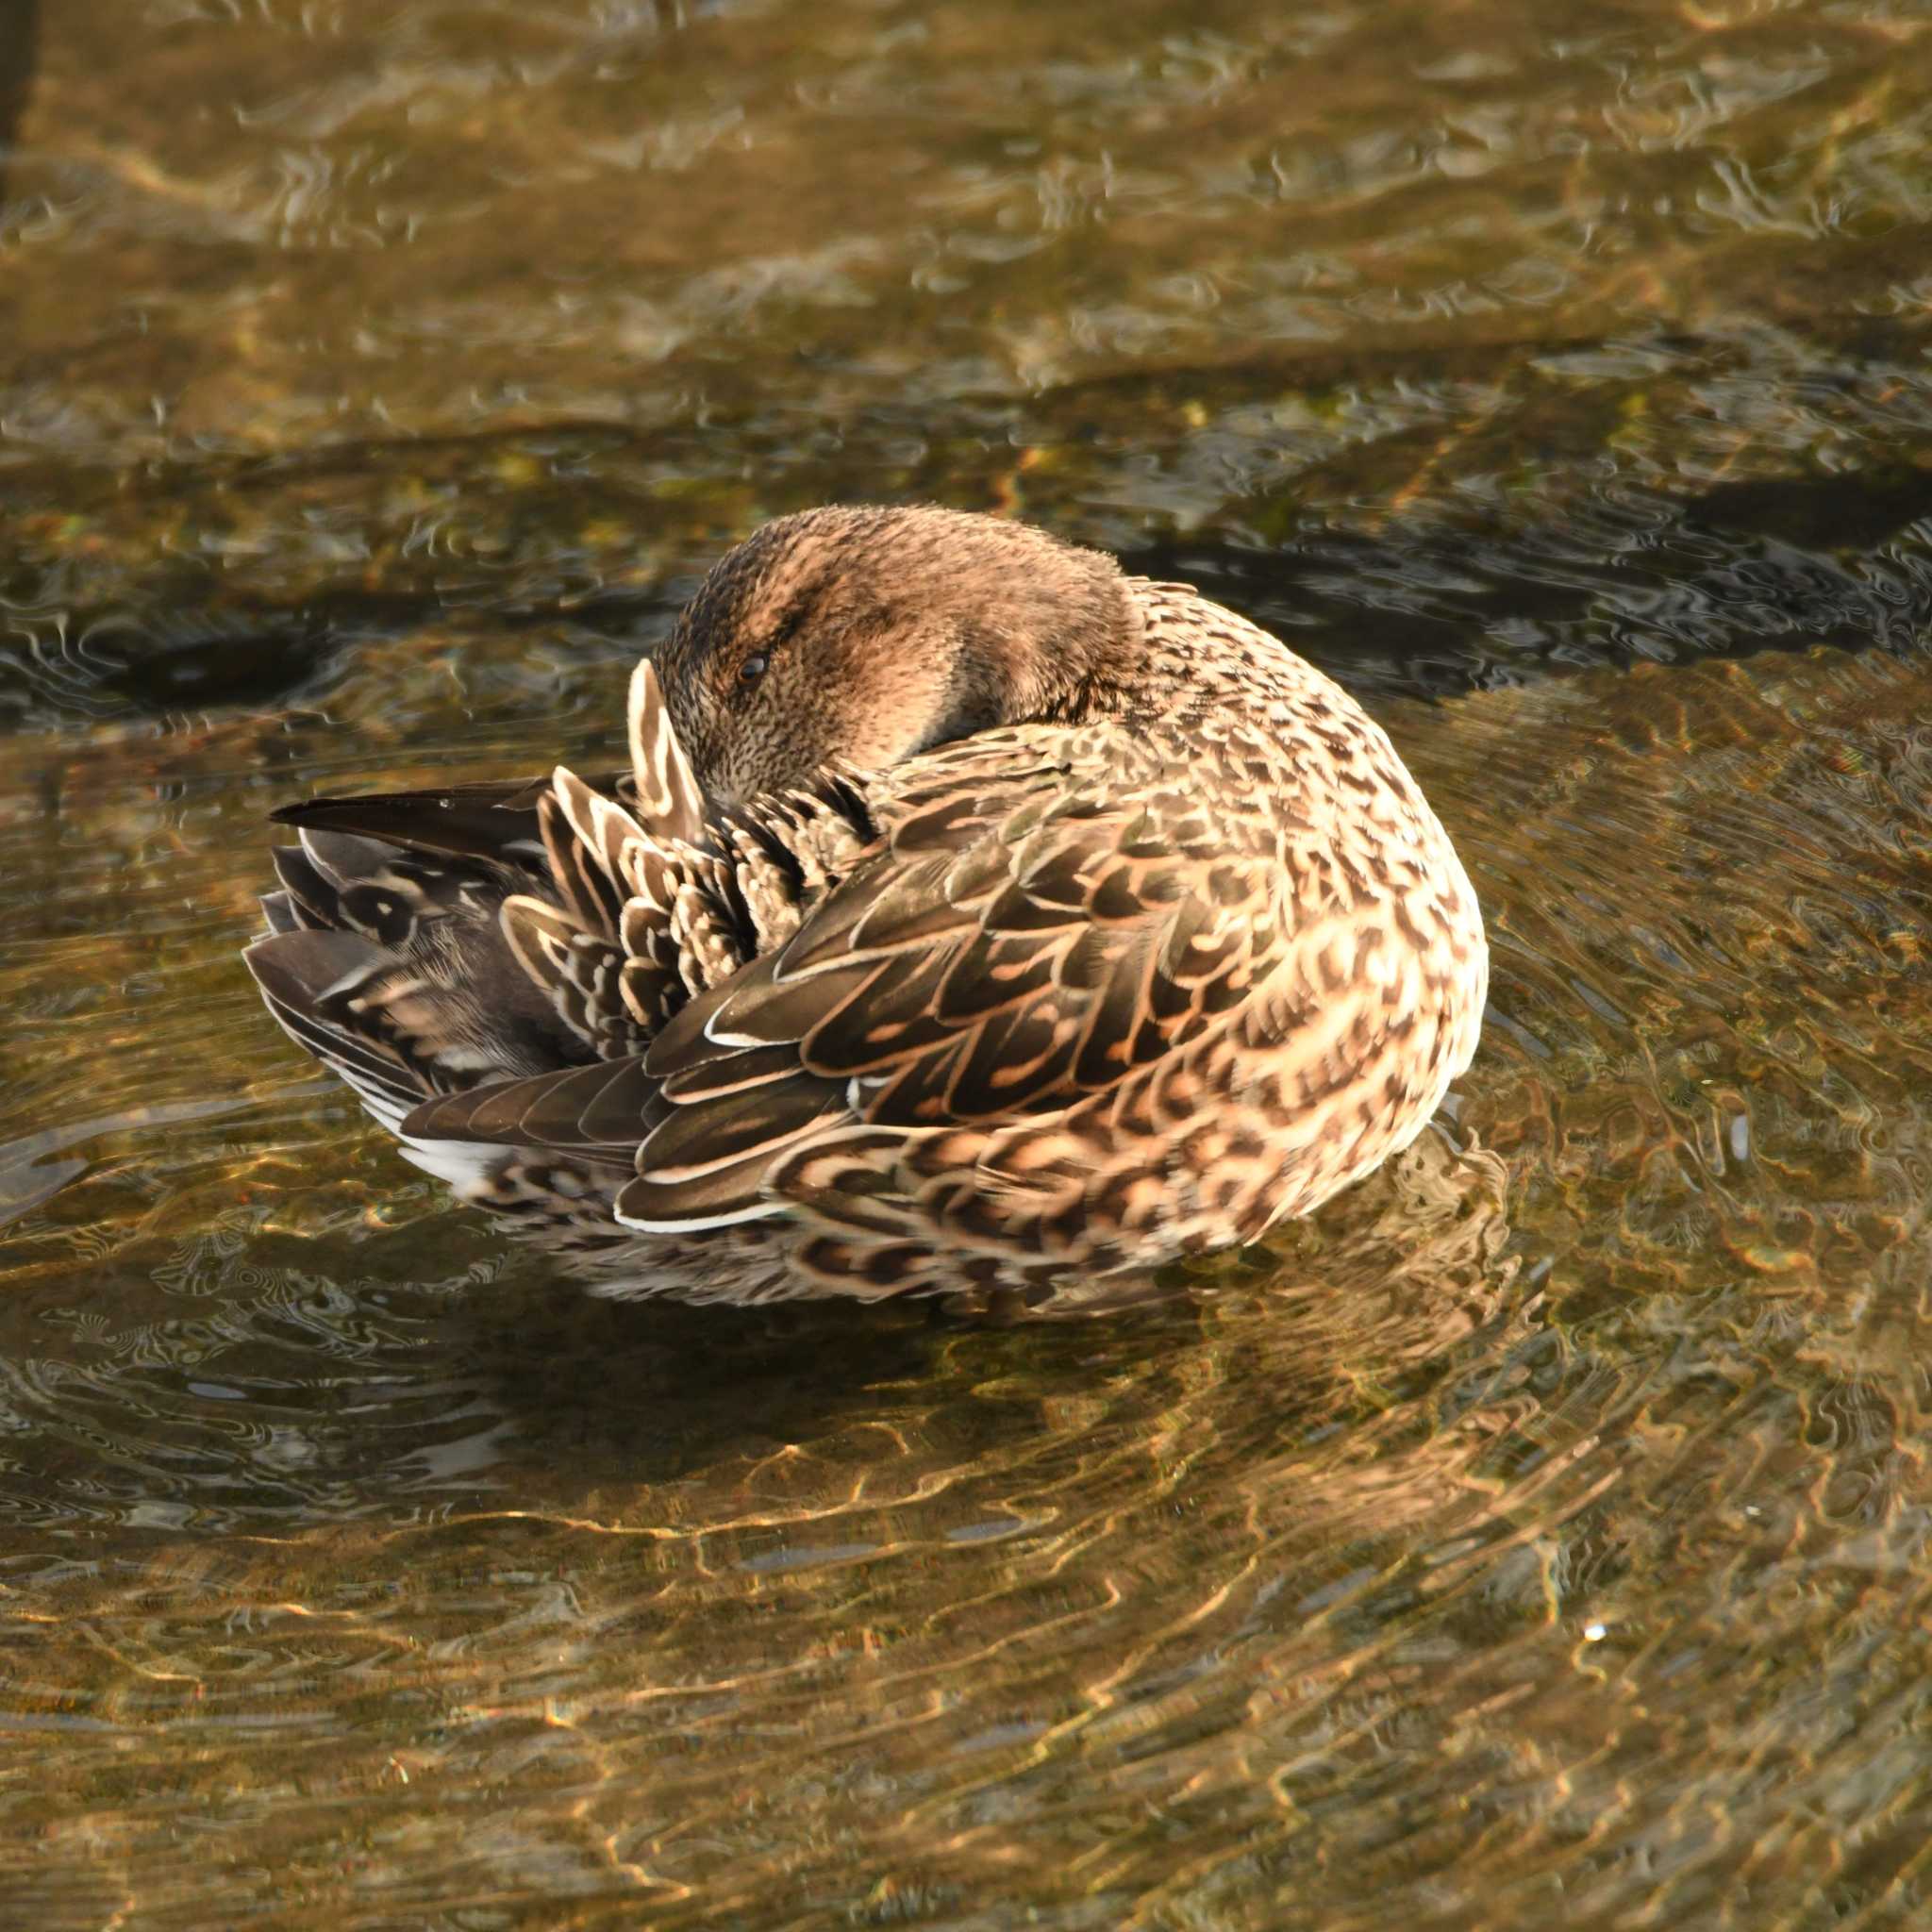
(278, 908)
(348, 858)
(314, 902)
(385, 1086)
(487, 967)
(391, 967)
(349, 1002)
(296, 970)
(421, 975)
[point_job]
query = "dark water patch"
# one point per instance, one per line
(242, 580)
(168, 659)
(258, 1395)
(18, 42)
(1442, 603)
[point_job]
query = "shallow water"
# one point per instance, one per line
(1542, 1532)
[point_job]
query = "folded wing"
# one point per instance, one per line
(1031, 933)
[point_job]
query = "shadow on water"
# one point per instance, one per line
(442, 1369)
(1727, 573)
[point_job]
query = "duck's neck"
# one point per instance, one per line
(1090, 661)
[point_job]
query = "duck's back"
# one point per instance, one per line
(1105, 993)
(1053, 998)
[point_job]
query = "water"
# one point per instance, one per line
(1541, 1533)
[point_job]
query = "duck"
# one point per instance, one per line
(972, 918)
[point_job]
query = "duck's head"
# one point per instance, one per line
(861, 636)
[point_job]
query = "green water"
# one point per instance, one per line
(1543, 1535)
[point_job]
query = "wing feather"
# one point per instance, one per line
(1023, 934)
(595, 1110)
(670, 801)
(1023, 938)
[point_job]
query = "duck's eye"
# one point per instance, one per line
(753, 667)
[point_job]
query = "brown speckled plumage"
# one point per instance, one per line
(973, 918)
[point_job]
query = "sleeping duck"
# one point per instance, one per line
(972, 919)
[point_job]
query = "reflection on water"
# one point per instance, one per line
(1542, 1532)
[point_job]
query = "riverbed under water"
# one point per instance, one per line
(1542, 1533)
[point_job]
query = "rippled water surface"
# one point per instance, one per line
(1543, 1535)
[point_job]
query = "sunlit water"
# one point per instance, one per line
(1540, 1535)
